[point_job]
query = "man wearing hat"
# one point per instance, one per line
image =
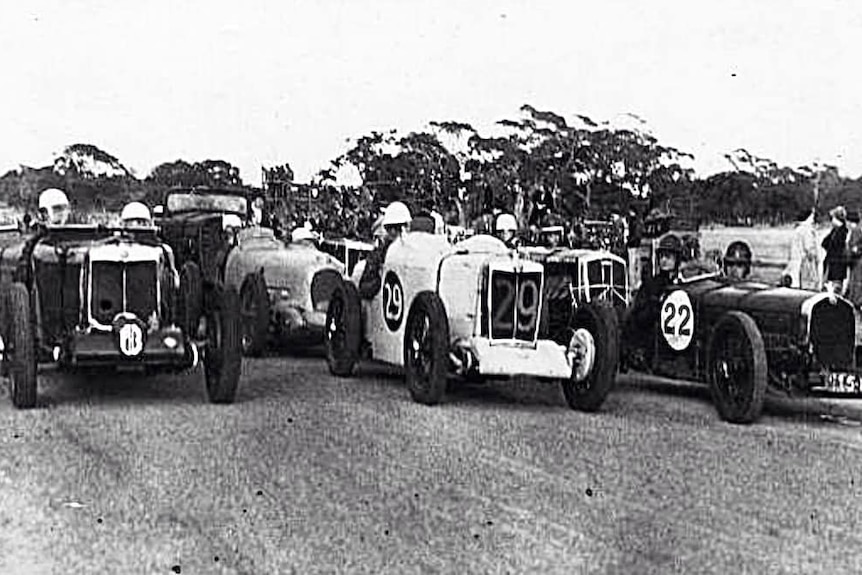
(835, 242)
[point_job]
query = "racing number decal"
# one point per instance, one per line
(677, 320)
(393, 301)
(131, 339)
(515, 305)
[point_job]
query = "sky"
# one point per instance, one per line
(267, 82)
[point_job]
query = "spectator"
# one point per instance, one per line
(803, 270)
(854, 260)
(835, 244)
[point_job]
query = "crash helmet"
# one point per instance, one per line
(51, 198)
(738, 253)
(54, 206)
(301, 234)
(396, 214)
(136, 213)
(670, 243)
(506, 223)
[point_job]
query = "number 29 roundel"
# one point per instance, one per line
(393, 301)
(677, 320)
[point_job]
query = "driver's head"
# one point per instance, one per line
(396, 218)
(668, 253)
(737, 260)
(506, 227)
(136, 214)
(54, 206)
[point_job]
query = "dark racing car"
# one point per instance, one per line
(741, 337)
(85, 296)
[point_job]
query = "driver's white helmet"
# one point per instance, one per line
(302, 234)
(52, 198)
(135, 212)
(231, 221)
(506, 223)
(396, 214)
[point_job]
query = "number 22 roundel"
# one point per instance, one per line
(677, 320)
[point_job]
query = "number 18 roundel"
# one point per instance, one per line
(677, 320)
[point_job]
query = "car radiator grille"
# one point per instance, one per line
(607, 281)
(833, 334)
(109, 282)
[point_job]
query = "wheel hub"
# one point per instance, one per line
(582, 353)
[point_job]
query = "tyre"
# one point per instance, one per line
(343, 334)
(593, 347)
(19, 355)
(254, 306)
(737, 368)
(191, 298)
(223, 351)
(426, 349)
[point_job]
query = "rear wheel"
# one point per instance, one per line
(254, 302)
(223, 352)
(19, 355)
(593, 347)
(343, 334)
(737, 368)
(426, 349)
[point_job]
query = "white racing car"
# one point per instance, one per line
(471, 309)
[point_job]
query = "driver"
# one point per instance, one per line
(506, 229)
(736, 264)
(395, 220)
(644, 316)
(136, 214)
(54, 207)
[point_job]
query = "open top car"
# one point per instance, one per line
(741, 337)
(93, 296)
(472, 309)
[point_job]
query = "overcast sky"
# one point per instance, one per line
(260, 82)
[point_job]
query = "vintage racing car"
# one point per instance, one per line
(283, 289)
(471, 309)
(741, 337)
(92, 296)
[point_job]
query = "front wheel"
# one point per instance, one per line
(593, 349)
(343, 334)
(737, 368)
(223, 352)
(426, 349)
(254, 302)
(19, 354)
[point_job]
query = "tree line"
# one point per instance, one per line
(539, 165)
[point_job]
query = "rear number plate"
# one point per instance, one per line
(842, 383)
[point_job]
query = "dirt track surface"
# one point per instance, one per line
(309, 473)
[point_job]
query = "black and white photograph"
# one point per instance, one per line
(415, 286)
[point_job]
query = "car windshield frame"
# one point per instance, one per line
(215, 202)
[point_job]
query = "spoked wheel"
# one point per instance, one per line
(426, 349)
(593, 349)
(343, 330)
(737, 368)
(223, 351)
(19, 351)
(254, 309)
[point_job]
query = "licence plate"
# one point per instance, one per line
(842, 382)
